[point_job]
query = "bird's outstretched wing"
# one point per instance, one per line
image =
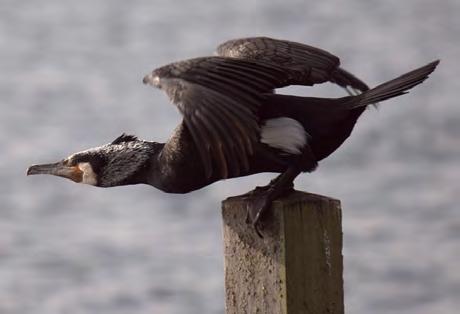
(312, 64)
(219, 99)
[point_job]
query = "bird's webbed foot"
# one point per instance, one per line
(259, 190)
(261, 200)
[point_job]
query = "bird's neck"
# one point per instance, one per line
(175, 171)
(149, 171)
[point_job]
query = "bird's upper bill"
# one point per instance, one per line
(60, 169)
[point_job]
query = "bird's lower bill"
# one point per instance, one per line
(57, 169)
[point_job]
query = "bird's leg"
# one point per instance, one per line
(282, 184)
(275, 159)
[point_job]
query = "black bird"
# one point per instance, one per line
(235, 125)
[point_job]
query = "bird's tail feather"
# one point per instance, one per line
(392, 88)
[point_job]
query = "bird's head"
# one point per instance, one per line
(124, 161)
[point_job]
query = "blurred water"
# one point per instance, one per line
(71, 79)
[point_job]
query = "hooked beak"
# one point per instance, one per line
(73, 173)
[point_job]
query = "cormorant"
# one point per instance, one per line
(234, 124)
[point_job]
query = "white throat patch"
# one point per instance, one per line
(89, 177)
(285, 134)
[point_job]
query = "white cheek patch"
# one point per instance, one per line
(89, 177)
(285, 134)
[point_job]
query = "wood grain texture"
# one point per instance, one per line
(297, 266)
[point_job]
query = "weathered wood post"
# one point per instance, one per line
(296, 268)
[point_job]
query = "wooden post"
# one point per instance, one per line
(296, 268)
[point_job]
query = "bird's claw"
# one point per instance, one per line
(256, 213)
(258, 226)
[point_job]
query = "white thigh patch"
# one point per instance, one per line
(285, 134)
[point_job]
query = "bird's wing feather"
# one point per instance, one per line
(313, 65)
(219, 99)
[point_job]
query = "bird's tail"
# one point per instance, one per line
(392, 88)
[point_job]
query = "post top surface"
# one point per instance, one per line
(293, 197)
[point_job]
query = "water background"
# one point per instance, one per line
(71, 79)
